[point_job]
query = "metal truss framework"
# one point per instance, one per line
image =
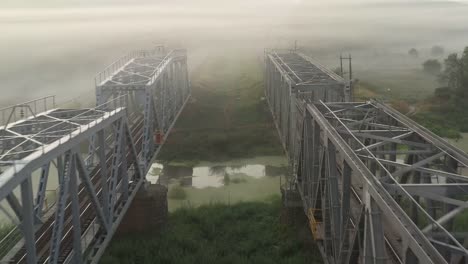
(97, 157)
(376, 187)
(157, 85)
(288, 73)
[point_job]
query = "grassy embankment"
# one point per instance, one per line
(226, 117)
(406, 85)
(240, 233)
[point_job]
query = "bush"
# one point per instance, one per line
(227, 179)
(177, 193)
(413, 53)
(432, 67)
(443, 93)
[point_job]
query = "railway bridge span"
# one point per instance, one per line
(375, 186)
(96, 157)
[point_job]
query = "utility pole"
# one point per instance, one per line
(348, 77)
(341, 65)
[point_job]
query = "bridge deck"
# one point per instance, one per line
(136, 71)
(305, 72)
(21, 138)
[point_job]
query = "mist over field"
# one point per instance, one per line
(57, 48)
(224, 159)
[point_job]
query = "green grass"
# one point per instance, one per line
(445, 119)
(217, 233)
(226, 118)
(410, 85)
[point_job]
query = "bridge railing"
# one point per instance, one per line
(114, 67)
(161, 67)
(26, 110)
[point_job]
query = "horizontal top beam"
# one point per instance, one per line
(19, 170)
(303, 71)
(138, 69)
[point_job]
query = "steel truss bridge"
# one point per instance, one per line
(97, 158)
(375, 186)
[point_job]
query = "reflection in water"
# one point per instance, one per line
(209, 176)
(216, 170)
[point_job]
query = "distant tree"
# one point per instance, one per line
(432, 67)
(443, 93)
(437, 50)
(455, 76)
(413, 53)
(463, 89)
(451, 73)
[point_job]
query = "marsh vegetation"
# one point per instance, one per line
(247, 232)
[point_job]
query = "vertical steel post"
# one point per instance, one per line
(41, 192)
(104, 175)
(75, 204)
(60, 211)
(28, 220)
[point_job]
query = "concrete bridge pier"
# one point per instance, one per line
(292, 211)
(148, 211)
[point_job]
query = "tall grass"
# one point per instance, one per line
(240, 233)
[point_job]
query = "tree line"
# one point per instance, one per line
(448, 112)
(454, 78)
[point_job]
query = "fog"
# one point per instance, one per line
(57, 48)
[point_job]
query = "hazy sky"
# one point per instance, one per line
(57, 46)
(88, 3)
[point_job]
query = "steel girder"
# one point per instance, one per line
(377, 187)
(157, 87)
(288, 73)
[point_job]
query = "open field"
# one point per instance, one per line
(410, 85)
(227, 117)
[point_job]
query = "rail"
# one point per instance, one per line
(14, 236)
